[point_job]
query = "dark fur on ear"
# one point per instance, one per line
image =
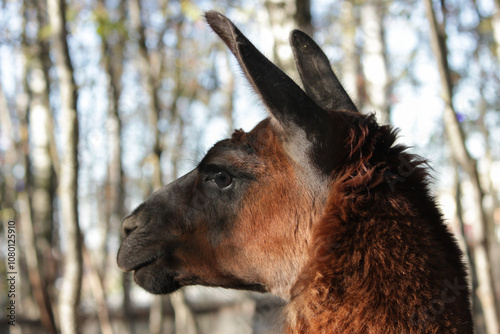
(320, 82)
(288, 103)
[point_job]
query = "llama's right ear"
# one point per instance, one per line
(320, 83)
(287, 102)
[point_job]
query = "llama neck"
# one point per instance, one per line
(379, 266)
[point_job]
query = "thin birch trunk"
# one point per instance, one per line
(69, 296)
(184, 318)
(303, 17)
(32, 106)
(466, 248)
(156, 315)
(491, 196)
(350, 66)
(375, 67)
(112, 57)
(151, 88)
(43, 56)
(42, 138)
(114, 211)
(97, 288)
(118, 174)
(283, 17)
(496, 27)
(175, 117)
(490, 189)
(45, 156)
(38, 284)
(456, 139)
(150, 84)
(491, 200)
(7, 184)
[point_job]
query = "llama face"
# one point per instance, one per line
(243, 218)
(229, 222)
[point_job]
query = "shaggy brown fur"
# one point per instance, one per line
(382, 261)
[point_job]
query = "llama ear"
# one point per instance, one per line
(320, 83)
(287, 102)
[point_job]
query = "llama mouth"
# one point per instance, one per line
(142, 265)
(137, 266)
(145, 263)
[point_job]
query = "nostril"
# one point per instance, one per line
(128, 230)
(129, 225)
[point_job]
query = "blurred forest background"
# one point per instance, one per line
(104, 101)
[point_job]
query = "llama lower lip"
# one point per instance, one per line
(145, 276)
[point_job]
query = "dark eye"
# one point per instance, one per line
(223, 179)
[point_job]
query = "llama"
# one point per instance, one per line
(316, 205)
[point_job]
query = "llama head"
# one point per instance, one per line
(243, 218)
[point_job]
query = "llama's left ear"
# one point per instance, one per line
(320, 83)
(287, 102)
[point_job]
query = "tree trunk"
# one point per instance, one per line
(350, 66)
(496, 27)
(375, 68)
(151, 84)
(456, 139)
(175, 117)
(184, 319)
(112, 57)
(7, 184)
(45, 160)
(33, 105)
(284, 16)
(490, 189)
(36, 278)
(69, 296)
(113, 194)
(491, 200)
(303, 17)
(41, 132)
(97, 288)
(151, 87)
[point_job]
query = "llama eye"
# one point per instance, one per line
(223, 179)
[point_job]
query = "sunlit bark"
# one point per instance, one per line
(69, 296)
(151, 87)
(375, 67)
(150, 84)
(456, 140)
(496, 27)
(43, 141)
(112, 56)
(34, 188)
(97, 288)
(350, 66)
(284, 16)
